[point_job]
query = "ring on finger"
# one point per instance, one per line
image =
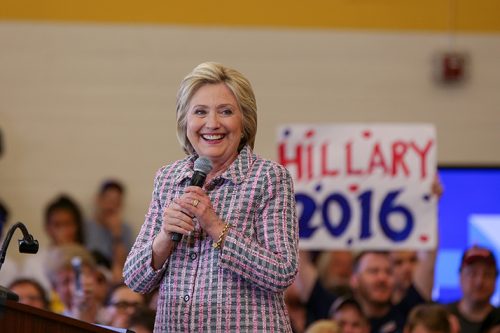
(195, 202)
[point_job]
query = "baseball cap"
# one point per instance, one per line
(478, 254)
(342, 301)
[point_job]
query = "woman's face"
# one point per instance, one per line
(29, 294)
(62, 227)
(214, 124)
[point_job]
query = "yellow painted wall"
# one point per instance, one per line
(427, 15)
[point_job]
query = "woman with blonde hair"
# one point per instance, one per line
(224, 253)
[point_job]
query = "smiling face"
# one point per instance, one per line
(214, 124)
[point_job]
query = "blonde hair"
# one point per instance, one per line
(323, 326)
(214, 73)
(434, 317)
(59, 258)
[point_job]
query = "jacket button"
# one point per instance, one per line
(193, 256)
(186, 298)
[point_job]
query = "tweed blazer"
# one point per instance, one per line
(239, 288)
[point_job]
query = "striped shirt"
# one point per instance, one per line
(241, 287)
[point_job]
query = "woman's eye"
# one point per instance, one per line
(199, 112)
(227, 111)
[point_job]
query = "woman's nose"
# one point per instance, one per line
(212, 120)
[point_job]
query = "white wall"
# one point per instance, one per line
(79, 103)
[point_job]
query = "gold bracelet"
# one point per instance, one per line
(218, 244)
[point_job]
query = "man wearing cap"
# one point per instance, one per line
(478, 273)
(347, 312)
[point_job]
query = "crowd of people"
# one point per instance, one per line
(222, 254)
(48, 280)
(391, 292)
(334, 291)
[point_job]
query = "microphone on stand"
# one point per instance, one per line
(26, 245)
(202, 167)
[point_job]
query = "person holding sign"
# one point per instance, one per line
(237, 250)
(373, 285)
(404, 262)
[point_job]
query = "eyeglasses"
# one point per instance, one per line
(123, 305)
(30, 298)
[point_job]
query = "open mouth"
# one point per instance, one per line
(212, 137)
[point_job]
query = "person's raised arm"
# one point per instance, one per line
(423, 276)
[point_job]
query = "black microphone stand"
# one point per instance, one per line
(26, 245)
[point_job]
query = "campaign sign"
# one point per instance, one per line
(362, 186)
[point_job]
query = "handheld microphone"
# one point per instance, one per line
(202, 167)
(76, 262)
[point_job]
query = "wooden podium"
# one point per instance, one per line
(20, 318)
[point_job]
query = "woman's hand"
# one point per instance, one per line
(175, 220)
(197, 203)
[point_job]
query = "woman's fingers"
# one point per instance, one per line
(177, 220)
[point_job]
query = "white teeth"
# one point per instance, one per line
(213, 136)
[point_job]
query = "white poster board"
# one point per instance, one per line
(362, 186)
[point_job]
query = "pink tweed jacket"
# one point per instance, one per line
(239, 288)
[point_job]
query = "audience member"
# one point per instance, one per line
(63, 225)
(121, 305)
(296, 308)
(143, 320)
(403, 266)
(152, 299)
(78, 303)
(335, 270)
(373, 285)
(404, 262)
(323, 326)
(30, 292)
(428, 318)
(108, 235)
(103, 283)
(347, 313)
(405, 270)
(478, 273)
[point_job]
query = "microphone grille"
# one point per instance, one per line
(203, 165)
(76, 261)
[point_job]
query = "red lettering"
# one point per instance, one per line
(324, 159)
(309, 161)
(350, 169)
(423, 156)
(377, 160)
(297, 160)
(399, 149)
